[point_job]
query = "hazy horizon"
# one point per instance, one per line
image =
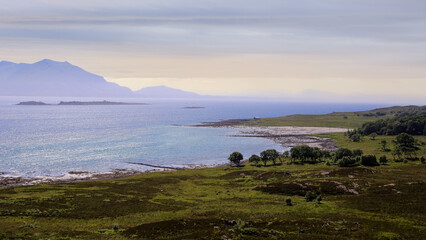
(342, 51)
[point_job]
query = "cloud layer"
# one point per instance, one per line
(287, 47)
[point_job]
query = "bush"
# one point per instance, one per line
(319, 199)
(369, 160)
(383, 159)
(357, 152)
(348, 162)
(422, 159)
(310, 196)
(288, 202)
(342, 152)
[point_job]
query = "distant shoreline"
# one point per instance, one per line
(77, 103)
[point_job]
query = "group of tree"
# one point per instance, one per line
(344, 157)
(305, 154)
(405, 146)
(270, 155)
(414, 125)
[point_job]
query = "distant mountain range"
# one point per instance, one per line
(62, 79)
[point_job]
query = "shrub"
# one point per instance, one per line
(319, 199)
(342, 152)
(348, 162)
(310, 196)
(369, 160)
(383, 159)
(357, 152)
(235, 158)
(288, 202)
(422, 159)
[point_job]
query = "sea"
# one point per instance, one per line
(54, 140)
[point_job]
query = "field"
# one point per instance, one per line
(337, 119)
(249, 202)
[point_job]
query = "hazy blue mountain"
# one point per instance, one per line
(165, 92)
(52, 78)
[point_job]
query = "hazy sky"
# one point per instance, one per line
(360, 50)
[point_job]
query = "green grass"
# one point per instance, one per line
(337, 119)
(369, 146)
(195, 204)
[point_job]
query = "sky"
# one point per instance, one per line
(304, 50)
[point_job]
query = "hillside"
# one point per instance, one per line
(338, 119)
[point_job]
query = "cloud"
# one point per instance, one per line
(242, 41)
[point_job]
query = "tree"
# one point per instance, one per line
(269, 155)
(342, 152)
(369, 160)
(235, 158)
(383, 159)
(383, 146)
(310, 196)
(357, 152)
(286, 154)
(255, 159)
(356, 137)
(406, 144)
(319, 199)
(288, 202)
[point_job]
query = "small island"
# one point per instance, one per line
(34, 103)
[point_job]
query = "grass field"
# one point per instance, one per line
(385, 202)
(370, 146)
(338, 119)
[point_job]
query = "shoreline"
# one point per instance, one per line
(286, 136)
(83, 176)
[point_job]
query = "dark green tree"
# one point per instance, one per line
(383, 159)
(406, 144)
(383, 146)
(235, 158)
(269, 155)
(255, 159)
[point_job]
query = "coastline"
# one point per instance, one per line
(286, 136)
(82, 176)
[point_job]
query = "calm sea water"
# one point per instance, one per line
(53, 140)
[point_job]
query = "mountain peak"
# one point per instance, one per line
(50, 62)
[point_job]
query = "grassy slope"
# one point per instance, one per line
(370, 146)
(189, 204)
(340, 119)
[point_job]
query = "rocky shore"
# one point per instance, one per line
(287, 136)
